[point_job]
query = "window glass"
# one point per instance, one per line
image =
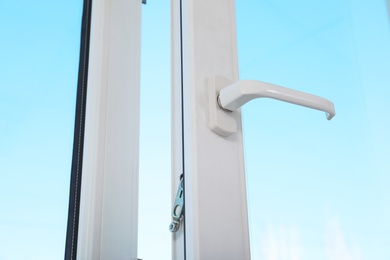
(154, 238)
(318, 189)
(39, 56)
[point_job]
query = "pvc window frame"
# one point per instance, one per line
(215, 222)
(107, 224)
(215, 225)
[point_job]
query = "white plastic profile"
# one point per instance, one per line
(230, 96)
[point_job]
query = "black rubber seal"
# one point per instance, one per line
(78, 140)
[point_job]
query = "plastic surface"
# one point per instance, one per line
(216, 215)
(109, 188)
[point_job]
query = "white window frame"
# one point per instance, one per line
(207, 129)
(108, 221)
(215, 223)
(211, 159)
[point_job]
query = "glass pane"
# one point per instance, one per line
(318, 189)
(39, 55)
(154, 238)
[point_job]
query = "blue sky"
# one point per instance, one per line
(316, 189)
(38, 73)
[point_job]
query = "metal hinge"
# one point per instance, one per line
(178, 207)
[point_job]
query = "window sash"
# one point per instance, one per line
(108, 220)
(216, 218)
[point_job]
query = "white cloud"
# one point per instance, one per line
(336, 247)
(281, 243)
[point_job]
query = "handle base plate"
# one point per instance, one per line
(221, 122)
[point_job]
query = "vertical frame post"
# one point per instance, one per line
(215, 218)
(108, 220)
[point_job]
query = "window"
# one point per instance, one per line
(315, 189)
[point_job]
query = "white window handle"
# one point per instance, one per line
(237, 94)
(230, 97)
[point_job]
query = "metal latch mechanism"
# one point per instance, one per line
(178, 207)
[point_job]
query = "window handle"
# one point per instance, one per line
(232, 96)
(237, 94)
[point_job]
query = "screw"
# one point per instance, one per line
(174, 226)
